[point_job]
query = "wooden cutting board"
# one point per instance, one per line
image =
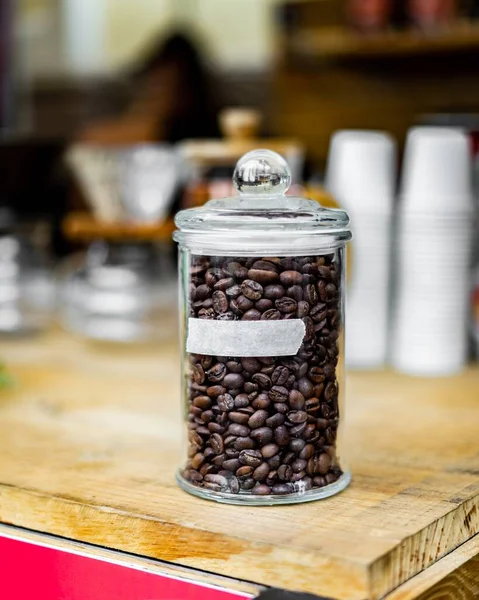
(91, 437)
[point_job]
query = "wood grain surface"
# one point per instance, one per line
(91, 437)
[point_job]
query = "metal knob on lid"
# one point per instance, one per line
(262, 171)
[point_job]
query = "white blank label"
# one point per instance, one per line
(245, 338)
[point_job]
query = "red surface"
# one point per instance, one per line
(29, 571)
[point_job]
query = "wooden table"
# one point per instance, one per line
(90, 440)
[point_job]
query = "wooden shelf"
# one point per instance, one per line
(83, 227)
(340, 43)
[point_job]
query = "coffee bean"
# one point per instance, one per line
(275, 420)
(289, 278)
(262, 380)
(226, 402)
(305, 387)
(273, 292)
(262, 435)
(302, 309)
(330, 391)
(295, 292)
(244, 472)
(238, 430)
(252, 458)
(279, 394)
(216, 373)
(220, 302)
(286, 305)
(252, 315)
(269, 450)
(244, 443)
(261, 490)
(297, 416)
(285, 472)
(262, 402)
(280, 375)
(271, 315)
(296, 400)
(274, 461)
(257, 419)
(217, 443)
(252, 289)
(316, 374)
(238, 417)
(263, 305)
(263, 276)
(233, 380)
(261, 472)
(281, 436)
(282, 489)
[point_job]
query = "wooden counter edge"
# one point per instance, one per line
(454, 576)
(125, 559)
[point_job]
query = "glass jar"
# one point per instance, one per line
(27, 290)
(119, 293)
(261, 313)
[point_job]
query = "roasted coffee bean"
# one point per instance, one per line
(280, 375)
(232, 464)
(257, 419)
(262, 402)
(206, 313)
(217, 444)
(296, 400)
(263, 305)
(244, 472)
(238, 430)
(263, 276)
(282, 489)
(241, 401)
(273, 292)
(286, 305)
(262, 380)
(233, 380)
(238, 417)
(226, 402)
(262, 435)
(275, 420)
(289, 278)
(252, 315)
(202, 402)
(261, 472)
(216, 373)
(279, 394)
(302, 309)
(234, 291)
(296, 445)
(285, 472)
(330, 391)
(281, 435)
(234, 367)
(220, 302)
(269, 450)
(295, 292)
(316, 374)
(305, 387)
(243, 304)
(252, 458)
(244, 443)
(296, 416)
(260, 489)
(252, 289)
(271, 315)
(312, 406)
(274, 461)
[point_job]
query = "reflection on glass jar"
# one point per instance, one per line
(430, 13)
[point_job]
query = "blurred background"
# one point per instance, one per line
(115, 114)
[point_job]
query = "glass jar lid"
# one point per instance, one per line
(262, 218)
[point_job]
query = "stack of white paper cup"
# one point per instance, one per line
(361, 174)
(434, 240)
